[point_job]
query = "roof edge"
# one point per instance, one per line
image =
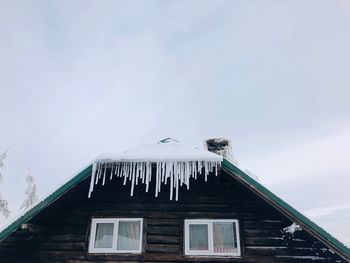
(85, 173)
(334, 243)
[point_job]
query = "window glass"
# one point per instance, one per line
(116, 235)
(224, 237)
(128, 235)
(216, 237)
(104, 235)
(198, 236)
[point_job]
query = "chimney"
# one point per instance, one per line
(220, 146)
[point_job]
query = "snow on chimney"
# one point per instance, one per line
(220, 146)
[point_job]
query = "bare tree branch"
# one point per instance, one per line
(31, 191)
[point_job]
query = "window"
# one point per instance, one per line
(116, 235)
(212, 237)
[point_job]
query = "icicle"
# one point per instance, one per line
(104, 175)
(148, 175)
(120, 167)
(116, 169)
(137, 173)
(182, 172)
(177, 182)
(140, 172)
(160, 177)
(206, 171)
(125, 173)
(132, 174)
(111, 174)
(157, 180)
(131, 171)
(163, 173)
(92, 181)
(191, 164)
(171, 181)
(143, 170)
(193, 168)
(178, 173)
(98, 171)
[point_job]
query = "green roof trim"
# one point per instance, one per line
(85, 173)
(46, 202)
(279, 202)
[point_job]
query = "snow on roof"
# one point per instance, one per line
(175, 162)
(165, 150)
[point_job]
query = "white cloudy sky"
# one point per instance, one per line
(80, 78)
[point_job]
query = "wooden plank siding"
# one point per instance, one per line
(62, 230)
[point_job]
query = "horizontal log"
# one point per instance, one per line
(277, 241)
(163, 230)
(172, 207)
(28, 227)
(280, 251)
(163, 248)
(163, 222)
(161, 239)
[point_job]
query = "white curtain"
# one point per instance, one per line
(128, 235)
(198, 237)
(224, 237)
(104, 235)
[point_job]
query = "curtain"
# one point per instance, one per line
(104, 235)
(224, 237)
(198, 237)
(128, 235)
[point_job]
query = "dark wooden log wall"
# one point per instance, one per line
(61, 232)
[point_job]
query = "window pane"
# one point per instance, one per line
(129, 235)
(198, 237)
(224, 237)
(104, 235)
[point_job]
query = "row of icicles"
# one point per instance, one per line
(176, 173)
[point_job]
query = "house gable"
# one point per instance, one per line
(216, 199)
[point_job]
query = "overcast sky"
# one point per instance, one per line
(81, 78)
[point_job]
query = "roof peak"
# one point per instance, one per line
(168, 140)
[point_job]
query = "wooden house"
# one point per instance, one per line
(166, 203)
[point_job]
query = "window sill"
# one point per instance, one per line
(212, 256)
(114, 253)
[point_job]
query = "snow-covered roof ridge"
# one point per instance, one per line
(165, 150)
(175, 164)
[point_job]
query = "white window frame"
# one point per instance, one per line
(210, 251)
(115, 221)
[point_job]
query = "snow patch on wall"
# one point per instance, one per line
(292, 229)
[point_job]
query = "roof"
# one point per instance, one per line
(229, 167)
(165, 150)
